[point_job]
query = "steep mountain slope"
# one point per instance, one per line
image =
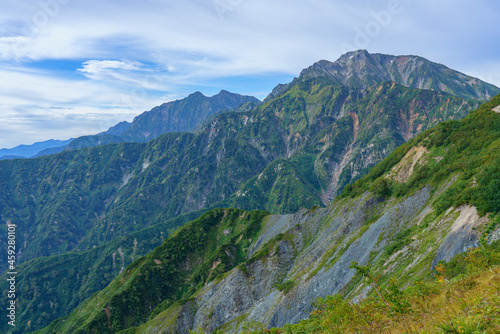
(198, 253)
(421, 205)
(51, 287)
(335, 135)
(183, 115)
(360, 69)
(462, 297)
(81, 199)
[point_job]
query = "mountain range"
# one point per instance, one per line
(361, 70)
(34, 150)
(230, 268)
(183, 115)
(107, 206)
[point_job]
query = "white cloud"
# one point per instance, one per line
(42, 124)
(126, 73)
(100, 66)
(129, 52)
(36, 106)
(12, 47)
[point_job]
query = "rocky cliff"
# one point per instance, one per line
(360, 69)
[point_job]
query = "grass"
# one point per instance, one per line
(462, 297)
(216, 242)
(286, 286)
(466, 148)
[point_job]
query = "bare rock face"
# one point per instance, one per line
(314, 252)
(404, 169)
(462, 236)
(253, 292)
(360, 69)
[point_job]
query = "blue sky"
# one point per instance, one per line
(72, 67)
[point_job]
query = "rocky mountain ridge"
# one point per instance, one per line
(183, 115)
(360, 69)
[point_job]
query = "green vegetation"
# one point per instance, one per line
(194, 255)
(467, 149)
(286, 286)
(466, 302)
(279, 157)
(51, 287)
(402, 239)
(309, 115)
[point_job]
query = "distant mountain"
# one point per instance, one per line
(49, 151)
(183, 115)
(118, 129)
(360, 70)
(6, 157)
(28, 151)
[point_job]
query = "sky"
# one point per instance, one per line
(71, 67)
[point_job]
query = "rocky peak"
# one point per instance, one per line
(196, 94)
(361, 69)
(224, 92)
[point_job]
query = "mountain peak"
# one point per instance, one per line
(361, 69)
(196, 94)
(355, 54)
(225, 92)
